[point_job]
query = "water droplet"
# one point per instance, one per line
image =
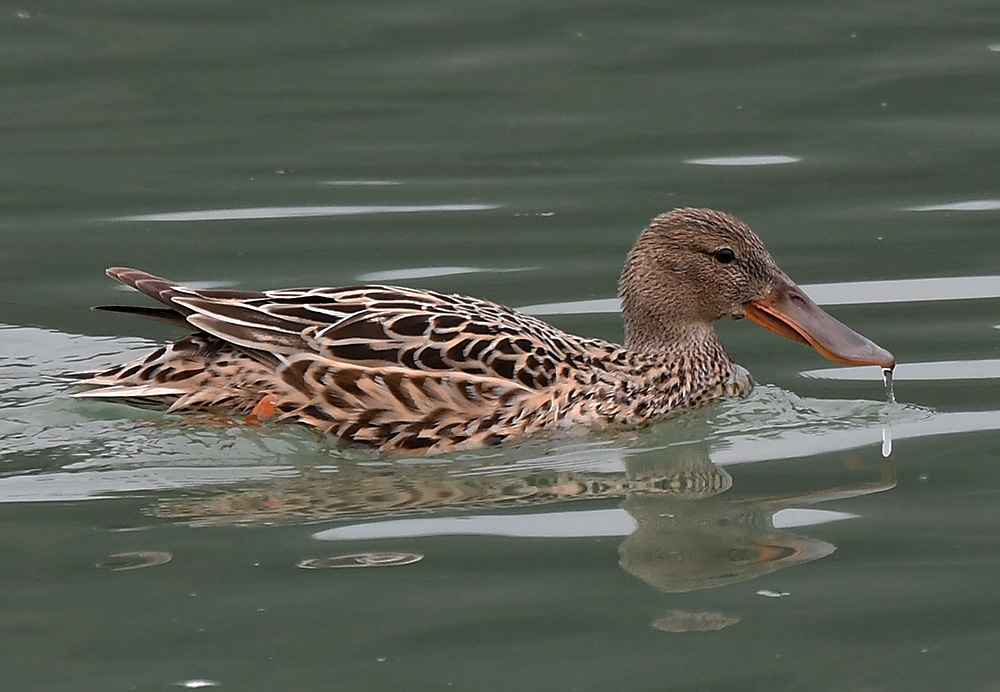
(360, 560)
(119, 562)
(887, 377)
(886, 442)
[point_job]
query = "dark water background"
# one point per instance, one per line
(810, 537)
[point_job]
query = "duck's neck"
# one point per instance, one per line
(661, 310)
(673, 348)
(656, 332)
(694, 371)
(697, 358)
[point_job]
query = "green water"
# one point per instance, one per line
(811, 537)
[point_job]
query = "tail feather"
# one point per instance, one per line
(199, 372)
(153, 286)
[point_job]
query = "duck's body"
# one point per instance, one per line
(418, 371)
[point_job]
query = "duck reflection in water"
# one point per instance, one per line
(702, 540)
(692, 529)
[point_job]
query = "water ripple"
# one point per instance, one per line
(301, 212)
(988, 369)
(587, 523)
(968, 205)
(845, 293)
(765, 160)
(429, 272)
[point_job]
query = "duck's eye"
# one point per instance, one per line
(724, 255)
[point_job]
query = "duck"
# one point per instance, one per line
(412, 371)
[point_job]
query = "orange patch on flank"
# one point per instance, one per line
(264, 409)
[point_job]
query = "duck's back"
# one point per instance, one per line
(382, 366)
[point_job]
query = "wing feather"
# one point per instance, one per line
(382, 327)
(395, 408)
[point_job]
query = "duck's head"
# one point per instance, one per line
(692, 266)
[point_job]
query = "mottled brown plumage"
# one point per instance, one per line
(401, 369)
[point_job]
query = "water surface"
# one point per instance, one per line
(812, 536)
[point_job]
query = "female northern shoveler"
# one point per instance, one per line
(401, 369)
